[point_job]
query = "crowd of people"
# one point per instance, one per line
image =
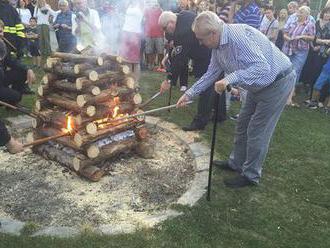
(260, 60)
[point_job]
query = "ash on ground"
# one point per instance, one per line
(36, 190)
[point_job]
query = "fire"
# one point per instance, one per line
(69, 124)
(116, 100)
(115, 112)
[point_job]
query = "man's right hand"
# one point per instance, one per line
(183, 101)
(165, 86)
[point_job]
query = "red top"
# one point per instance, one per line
(151, 27)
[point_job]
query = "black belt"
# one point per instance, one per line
(284, 73)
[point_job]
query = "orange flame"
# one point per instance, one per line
(116, 100)
(69, 124)
(115, 112)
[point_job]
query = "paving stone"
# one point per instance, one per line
(116, 229)
(199, 149)
(20, 122)
(202, 163)
(58, 231)
(9, 226)
(196, 191)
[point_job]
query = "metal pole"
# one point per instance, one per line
(214, 135)
(169, 98)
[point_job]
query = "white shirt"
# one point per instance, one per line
(41, 17)
(87, 36)
(25, 15)
(92, 18)
(133, 20)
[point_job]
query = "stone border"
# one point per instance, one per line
(196, 190)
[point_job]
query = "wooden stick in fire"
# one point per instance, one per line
(142, 113)
(44, 140)
(19, 109)
(150, 100)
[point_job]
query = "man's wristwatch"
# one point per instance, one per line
(228, 88)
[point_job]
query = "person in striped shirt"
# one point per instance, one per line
(248, 14)
(250, 61)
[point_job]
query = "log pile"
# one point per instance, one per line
(78, 94)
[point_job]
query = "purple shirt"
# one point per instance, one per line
(295, 29)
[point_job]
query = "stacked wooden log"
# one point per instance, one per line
(87, 90)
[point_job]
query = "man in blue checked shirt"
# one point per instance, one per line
(249, 14)
(251, 62)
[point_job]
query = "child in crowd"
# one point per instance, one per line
(32, 34)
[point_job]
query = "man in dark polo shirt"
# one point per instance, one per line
(186, 47)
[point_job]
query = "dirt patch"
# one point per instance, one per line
(34, 189)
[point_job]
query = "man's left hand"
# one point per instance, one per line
(220, 86)
(30, 77)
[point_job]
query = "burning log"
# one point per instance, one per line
(60, 101)
(82, 138)
(102, 152)
(102, 110)
(44, 140)
(67, 70)
(93, 173)
(65, 85)
(70, 159)
(113, 58)
(79, 58)
(51, 62)
(104, 96)
(127, 81)
(48, 78)
(80, 68)
(60, 153)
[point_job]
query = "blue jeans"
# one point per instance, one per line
(298, 60)
(322, 80)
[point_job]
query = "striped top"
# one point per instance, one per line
(247, 57)
(249, 15)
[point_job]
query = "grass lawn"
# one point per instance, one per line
(290, 208)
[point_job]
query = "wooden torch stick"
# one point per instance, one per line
(142, 113)
(9, 44)
(44, 140)
(19, 109)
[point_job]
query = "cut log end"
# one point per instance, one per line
(93, 151)
(77, 139)
(93, 173)
(45, 80)
(76, 69)
(96, 91)
(38, 105)
(130, 83)
(100, 61)
(91, 128)
(119, 59)
(137, 99)
(125, 69)
(76, 164)
(91, 111)
(35, 123)
(51, 62)
(142, 133)
(93, 76)
(81, 101)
